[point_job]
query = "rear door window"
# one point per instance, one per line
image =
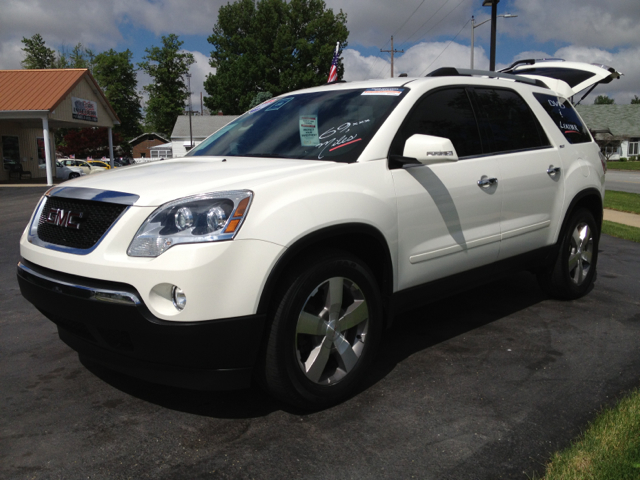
(510, 122)
(565, 117)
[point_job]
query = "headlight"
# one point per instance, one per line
(202, 218)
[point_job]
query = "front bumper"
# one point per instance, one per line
(107, 322)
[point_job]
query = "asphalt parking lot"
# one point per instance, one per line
(484, 385)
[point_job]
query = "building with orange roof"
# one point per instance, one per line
(34, 103)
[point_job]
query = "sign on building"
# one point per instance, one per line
(84, 109)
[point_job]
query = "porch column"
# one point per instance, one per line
(47, 149)
(111, 147)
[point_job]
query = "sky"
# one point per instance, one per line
(431, 33)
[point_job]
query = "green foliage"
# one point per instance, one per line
(623, 166)
(603, 100)
(116, 75)
(259, 98)
(622, 201)
(37, 54)
(168, 92)
(635, 100)
(608, 450)
(271, 46)
(625, 232)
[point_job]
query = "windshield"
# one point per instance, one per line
(334, 125)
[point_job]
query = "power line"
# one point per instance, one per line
(450, 42)
(405, 22)
(437, 24)
(425, 22)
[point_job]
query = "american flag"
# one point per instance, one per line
(333, 73)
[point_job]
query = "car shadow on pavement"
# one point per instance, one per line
(412, 332)
(451, 317)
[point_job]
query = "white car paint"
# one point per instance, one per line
(435, 219)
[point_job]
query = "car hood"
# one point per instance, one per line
(160, 182)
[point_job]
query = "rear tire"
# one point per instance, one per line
(323, 332)
(574, 268)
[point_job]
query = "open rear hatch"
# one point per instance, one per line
(570, 78)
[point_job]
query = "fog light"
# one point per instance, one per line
(179, 298)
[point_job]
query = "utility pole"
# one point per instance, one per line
(392, 51)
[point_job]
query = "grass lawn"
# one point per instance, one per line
(621, 231)
(608, 450)
(622, 201)
(623, 165)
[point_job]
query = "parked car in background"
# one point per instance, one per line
(102, 164)
(83, 165)
(65, 172)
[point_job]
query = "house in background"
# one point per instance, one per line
(201, 127)
(142, 144)
(622, 122)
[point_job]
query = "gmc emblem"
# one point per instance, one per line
(62, 218)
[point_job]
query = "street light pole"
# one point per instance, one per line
(494, 12)
(475, 25)
(190, 128)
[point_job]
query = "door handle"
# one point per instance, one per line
(485, 182)
(553, 171)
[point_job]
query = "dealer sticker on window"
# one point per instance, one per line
(394, 92)
(309, 130)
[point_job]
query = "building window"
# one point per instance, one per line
(633, 148)
(10, 151)
(161, 153)
(610, 150)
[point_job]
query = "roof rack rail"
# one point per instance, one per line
(529, 61)
(465, 72)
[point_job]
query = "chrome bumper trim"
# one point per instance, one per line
(96, 294)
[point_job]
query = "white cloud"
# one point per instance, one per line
(580, 22)
(416, 61)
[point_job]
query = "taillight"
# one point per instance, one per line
(603, 161)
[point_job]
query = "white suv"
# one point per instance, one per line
(282, 246)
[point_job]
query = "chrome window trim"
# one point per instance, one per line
(97, 294)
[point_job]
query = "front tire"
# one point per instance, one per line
(73, 175)
(574, 269)
(324, 331)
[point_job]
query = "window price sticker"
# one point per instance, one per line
(309, 130)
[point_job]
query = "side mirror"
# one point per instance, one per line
(428, 149)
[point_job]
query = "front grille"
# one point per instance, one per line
(96, 219)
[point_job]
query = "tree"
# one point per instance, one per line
(37, 54)
(603, 100)
(86, 142)
(116, 75)
(168, 92)
(259, 98)
(271, 46)
(635, 100)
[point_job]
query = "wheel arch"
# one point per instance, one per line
(361, 240)
(590, 199)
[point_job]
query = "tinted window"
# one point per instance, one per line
(445, 113)
(333, 125)
(571, 76)
(511, 123)
(565, 118)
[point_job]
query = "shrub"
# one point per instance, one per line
(623, 159)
